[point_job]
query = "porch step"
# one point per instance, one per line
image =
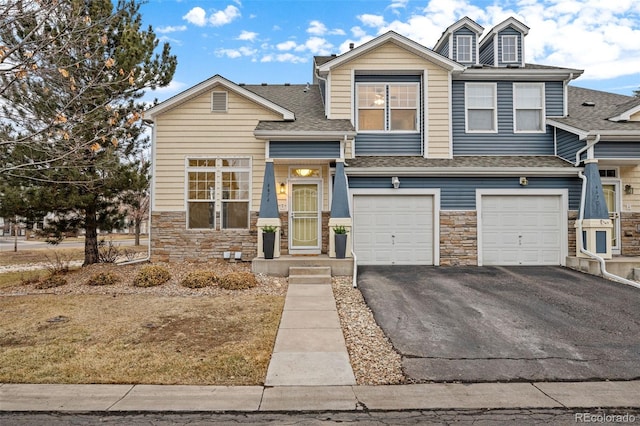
(310, 275)
(309, 270)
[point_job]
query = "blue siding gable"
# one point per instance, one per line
(464, 31)
(505, 141)
(311, 149)
(567, 144)
(607, 149)
(509, 31)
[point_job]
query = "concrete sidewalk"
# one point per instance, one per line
(151, 398)
(310, 348)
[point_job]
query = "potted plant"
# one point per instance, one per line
(268, 240)
(340, 241)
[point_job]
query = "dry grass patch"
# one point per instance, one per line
(138, 338)
(48, 255)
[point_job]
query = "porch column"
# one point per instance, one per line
(596, 225)
(340, 215)
(268, 214)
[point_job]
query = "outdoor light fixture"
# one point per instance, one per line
(524, 181)
(283, 188)
(304, 172)
(395, 182)
(628, 189)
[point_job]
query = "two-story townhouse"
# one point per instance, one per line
(450, 156)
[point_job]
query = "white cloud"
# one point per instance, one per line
(229, 53)
(289, 57)
(173, 87)
(369, 20)
(171, 29)
(319, 29)
(196, 16)
(247, 36)
(223, 17)
(287, 45)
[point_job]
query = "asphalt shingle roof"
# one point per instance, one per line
(305, 103)
(594, 118)
(495, 162)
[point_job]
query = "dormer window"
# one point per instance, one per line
(509, 48)
(463, 53)
(388, 107)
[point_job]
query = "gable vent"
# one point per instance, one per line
(219, 102)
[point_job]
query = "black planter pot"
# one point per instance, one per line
(341, 245)
(268, 243)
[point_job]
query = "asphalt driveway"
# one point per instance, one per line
(505, 323)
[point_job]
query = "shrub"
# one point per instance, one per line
(51, 281)
(107, 252)
(200, 279)
(103, 278)
(151, 275)
(238, 281)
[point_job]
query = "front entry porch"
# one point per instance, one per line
(623, 266)
(280, 266)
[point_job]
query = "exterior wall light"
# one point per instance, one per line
(628, 189)
(524, 181)
(283, 188)
(395, 182)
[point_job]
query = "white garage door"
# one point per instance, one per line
(393, 229)
(522, 229)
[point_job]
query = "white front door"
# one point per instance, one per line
(304, 218)
(611, 191)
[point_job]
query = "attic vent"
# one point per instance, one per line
(589, 104)
(219, 101)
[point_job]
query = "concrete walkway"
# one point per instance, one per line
(152, 398)
(310, 348)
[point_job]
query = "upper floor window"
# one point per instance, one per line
(388, 107)
(528, 106)
(463, 52)
(218, 185)
(480, 107)
(509, 48)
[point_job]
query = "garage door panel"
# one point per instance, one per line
(521, 229)
(393, 229)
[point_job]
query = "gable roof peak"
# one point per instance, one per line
(509, 22)
(462, 22)
(398, 39)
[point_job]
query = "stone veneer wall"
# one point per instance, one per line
(630, 238)
(458, 238)
(172, 242)
(573, 216)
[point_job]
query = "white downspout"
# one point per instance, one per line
(603, 265)
(355, 269)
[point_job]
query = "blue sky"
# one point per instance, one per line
(274, 41)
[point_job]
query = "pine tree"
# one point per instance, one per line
(71, 112)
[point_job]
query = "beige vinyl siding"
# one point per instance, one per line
(390, 56)
(193, 130)
(635, 117)
(630, 176)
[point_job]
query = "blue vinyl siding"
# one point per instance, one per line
(505, 142)
(486, 52)
(567, 145)
(444, 50)
(466, 32)
(459, 193)
(281, 149)
(554, 99)
(604, 149)
(388, 144)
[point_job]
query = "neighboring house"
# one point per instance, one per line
(460, 155)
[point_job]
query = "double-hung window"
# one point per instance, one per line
(509, 48)
(480, 107)
(388, 107)
(528, 107)
(218, 185)
(463, 52)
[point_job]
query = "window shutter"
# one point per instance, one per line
(219, 102)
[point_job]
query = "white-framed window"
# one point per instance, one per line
(218, 185)
(481, 107)
(463, 52)
(509, 48)
(528, 107)
(388, 107)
